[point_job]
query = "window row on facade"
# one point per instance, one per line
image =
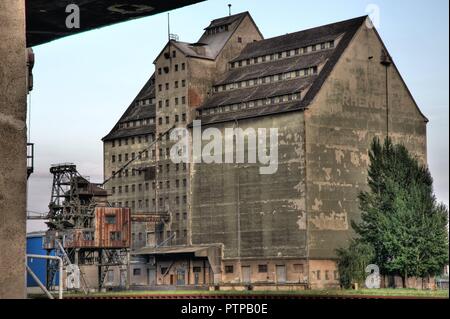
(176, 67)
(127, 156)
(140, 187)
(176, 119)
(268, 79)
(176, 85)
(297, 268)
(137, 123)
(284, 54)
(218, 29)
(250, 104)
(138, 172)
(145, 102)
(132, 140)
(177, 101)
(145, 203)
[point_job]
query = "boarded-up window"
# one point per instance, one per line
(298, 268)
(150, 173)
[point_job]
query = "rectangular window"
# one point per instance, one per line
(262, 268)
(298, 268)
(196, 269)
(229, 269)
(115, 235)
(183, 66)
(111, 275)
(110, 219)
(136, 271)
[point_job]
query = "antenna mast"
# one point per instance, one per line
(168, 26)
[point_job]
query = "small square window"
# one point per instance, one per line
(229, 269)
(262, 268)
(136, 271)
(110, 219)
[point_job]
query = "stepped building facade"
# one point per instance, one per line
(328, 91)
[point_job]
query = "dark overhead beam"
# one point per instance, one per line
(46, 19)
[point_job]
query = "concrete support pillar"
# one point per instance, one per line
(13, 171)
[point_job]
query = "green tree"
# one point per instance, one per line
(401, 219)
(352, 263)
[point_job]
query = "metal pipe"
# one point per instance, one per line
(60, 261)
(40, 284)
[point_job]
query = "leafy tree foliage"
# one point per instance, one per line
(401, 219)
(352, 263)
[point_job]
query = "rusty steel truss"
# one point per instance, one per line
(72, 212)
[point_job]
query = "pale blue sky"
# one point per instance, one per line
(84, 83)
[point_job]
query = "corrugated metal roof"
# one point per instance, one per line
(275, 67)
(136, 111)
(345, 30)
(257, 92)
(211, 44)
(298, 39)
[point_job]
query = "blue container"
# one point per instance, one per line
(38, 266)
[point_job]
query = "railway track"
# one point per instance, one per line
(251, 297)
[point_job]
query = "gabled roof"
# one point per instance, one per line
(344, 31)
(210, 43)
(276, 67)
(258, 92)
(136, 111)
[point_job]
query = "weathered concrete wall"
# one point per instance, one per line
(295, 270)
(13, 170)
(90, 274)
(323, 274)
(340, 125)
(247, 32)
(268, 209)
(175, 267)
(170, 197)
(132, 190)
